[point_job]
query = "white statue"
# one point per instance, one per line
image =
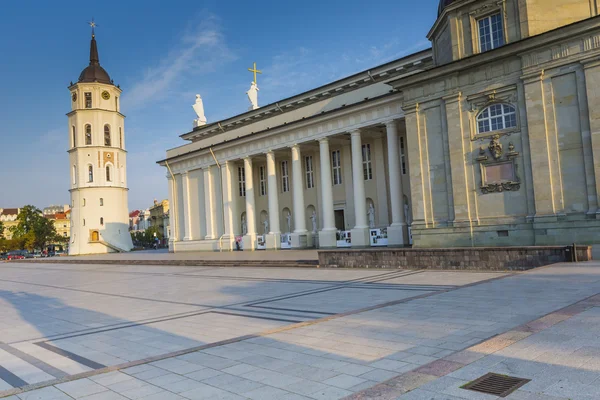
(371, 214)
(253, 96)
(313, 219)
(288, 217)
(266, 225)
(244, 226)
(199, 109)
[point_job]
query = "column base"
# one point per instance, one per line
(299, 240)
(273, 241)
(227, 243)
(360, 237)
(397, 235)
(249, 242)
(327, 239)
(171, 245)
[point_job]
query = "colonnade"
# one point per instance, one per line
(213, 202)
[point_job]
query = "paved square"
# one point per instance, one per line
(288, 339)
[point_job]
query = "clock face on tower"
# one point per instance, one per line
(105, 95)
(74, 96)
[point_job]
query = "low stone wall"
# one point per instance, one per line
(475, 258)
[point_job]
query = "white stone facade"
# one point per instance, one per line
(413, 148)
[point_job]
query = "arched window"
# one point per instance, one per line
(90, 173)
(496, 118)
(88, 135)
(107, 135)
(74, 174)
(101, 201)
(74, 138)
(108, 174)
(101, 221)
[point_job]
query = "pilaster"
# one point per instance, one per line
(541, 168)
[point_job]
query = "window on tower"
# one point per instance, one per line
(120, 137)
(88, 135)
(88, 100)
(101, 221)
(101, 202)
(108, 174)
(107, 135)
(90, 173)
(74, 139)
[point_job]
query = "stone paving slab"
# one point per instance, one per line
(345, 354)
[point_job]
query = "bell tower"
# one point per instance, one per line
(98, 161)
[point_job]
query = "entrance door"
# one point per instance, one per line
(340, 222)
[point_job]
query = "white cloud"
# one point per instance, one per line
(201, 49)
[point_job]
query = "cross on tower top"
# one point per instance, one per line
(92, 24)
(255, 71)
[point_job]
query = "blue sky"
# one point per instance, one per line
(162, 54)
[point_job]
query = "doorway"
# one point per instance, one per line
(95, 236)
(340, 222)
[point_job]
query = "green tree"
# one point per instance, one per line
(1, 230)
(33, 231)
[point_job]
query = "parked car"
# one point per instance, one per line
(18, 255)
(3, 256)
(37, 254)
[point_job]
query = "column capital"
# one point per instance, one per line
(294, 146)
(184, 173)
(324, 139)
(533, 77)
(392, 123)
(355, 132)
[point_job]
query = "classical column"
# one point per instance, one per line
(173, 212)
(327, 234)
(397, 232)
(299, 236)
(249, 239)
(209, 203)
(186, 212)
(227, 241)
(360, 232)
(273, 238)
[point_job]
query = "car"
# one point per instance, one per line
(18, 255)
(3, 256)
(37, 254)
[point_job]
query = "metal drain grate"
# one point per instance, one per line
(499, 385)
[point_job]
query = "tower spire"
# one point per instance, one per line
(94, 59)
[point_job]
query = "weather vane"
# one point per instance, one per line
(93, 25)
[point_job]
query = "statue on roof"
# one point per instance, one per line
(253, 96)
(199, 109)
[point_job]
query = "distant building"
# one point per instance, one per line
(159, 217)
(62, 222)
(8, 217)
(55, 209)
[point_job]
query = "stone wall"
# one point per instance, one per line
(480, 258)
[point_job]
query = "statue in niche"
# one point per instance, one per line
(288, 218)
(253, 96)
(199, 109)
(313, 219)
(244, 226)
(495, 147)
(266, 224)
(371, 215)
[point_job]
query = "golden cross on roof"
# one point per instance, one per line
(255, 71)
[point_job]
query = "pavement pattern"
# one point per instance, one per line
(149, 332)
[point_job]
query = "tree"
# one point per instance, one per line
(1, 230)
(33, 230)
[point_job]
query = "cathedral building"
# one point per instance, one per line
(99, 215)
(489, 138)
